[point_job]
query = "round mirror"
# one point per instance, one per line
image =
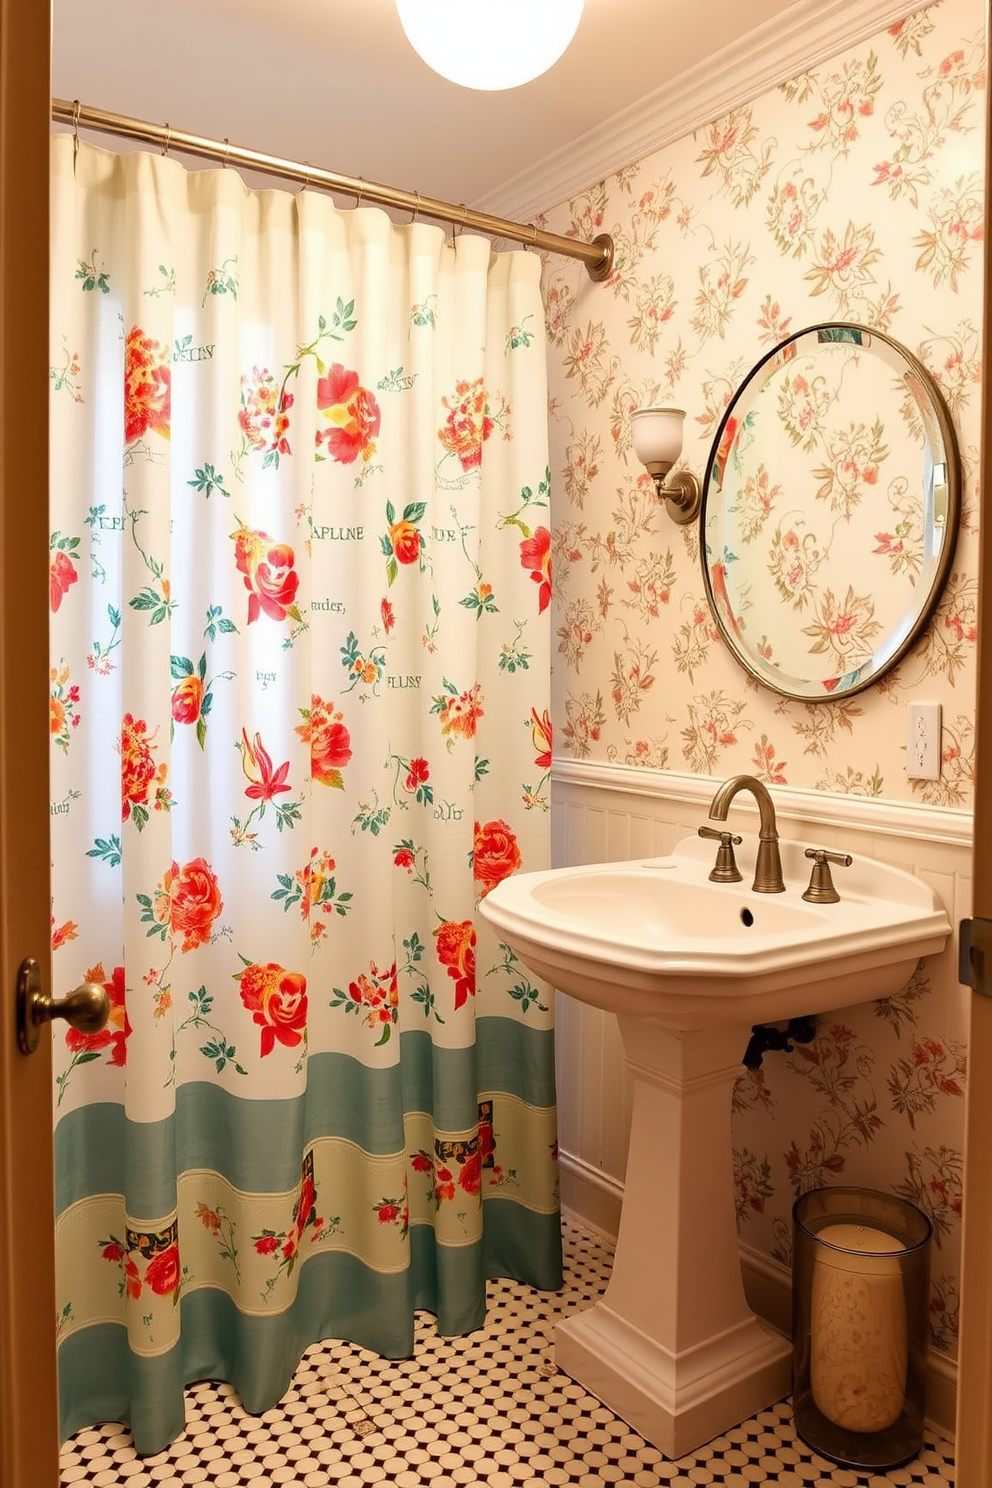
(830, 511)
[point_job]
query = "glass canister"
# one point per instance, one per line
(860, 1325)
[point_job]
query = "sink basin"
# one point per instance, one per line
(648, 903)
(687, 965)
(656, 939)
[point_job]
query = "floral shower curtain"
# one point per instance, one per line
(299, 723)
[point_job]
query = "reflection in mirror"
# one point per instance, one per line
(830, 511)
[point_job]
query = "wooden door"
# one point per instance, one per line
(28, 1412)
(974, 1415)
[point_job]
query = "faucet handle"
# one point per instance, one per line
(821, 886)
(726, 869)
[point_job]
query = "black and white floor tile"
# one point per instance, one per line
(488, 1409)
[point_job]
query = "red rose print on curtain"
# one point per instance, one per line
(269, 575)
(472, 417)
(63, 572)
(535, 553)
(147, 386)
(111, 1040)
(187, 699)
(113, 1037)
(192, 695)
(417, 775)
(324, 730)
(352, 413)
(162, 1274)
(470, 1176)
(277, 1001)
(142, 780)
(411, 781)
(404, 539)
(495, 855)
(195, 902)
(159, 1250)
(402, 543)
(455, 1165)
(456, 951)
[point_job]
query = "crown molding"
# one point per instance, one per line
(954, 827)
(808, 33)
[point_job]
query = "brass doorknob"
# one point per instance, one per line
(86, 1008)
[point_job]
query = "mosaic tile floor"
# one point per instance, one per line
(488, 1409)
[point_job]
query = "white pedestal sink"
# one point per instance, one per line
(688, 966)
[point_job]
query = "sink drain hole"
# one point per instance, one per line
(747, 918)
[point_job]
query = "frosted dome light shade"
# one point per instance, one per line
(490, 44)
(657, 434)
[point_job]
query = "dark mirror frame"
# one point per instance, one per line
(939, 437)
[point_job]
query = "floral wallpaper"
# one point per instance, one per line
(850, 193)
(853, 192)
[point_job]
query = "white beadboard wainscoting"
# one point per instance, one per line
(606, 813)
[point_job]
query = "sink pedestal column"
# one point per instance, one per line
(672, 1346)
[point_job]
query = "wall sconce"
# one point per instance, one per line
(657, 436)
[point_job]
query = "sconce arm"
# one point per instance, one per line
(682, 491)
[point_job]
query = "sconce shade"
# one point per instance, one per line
(657, 434)
(490, 44)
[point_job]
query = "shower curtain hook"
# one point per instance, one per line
(360, 192)
(456, 226)
(416, 209)
(309, 175)
(227, 154)
(168, 137)
(75, 133)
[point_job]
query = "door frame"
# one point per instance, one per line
(29, 1437)
(973, 1434)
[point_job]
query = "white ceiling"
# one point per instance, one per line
(335, 82)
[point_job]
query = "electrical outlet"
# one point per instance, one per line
(923, 742)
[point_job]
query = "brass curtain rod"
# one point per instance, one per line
(597, 255)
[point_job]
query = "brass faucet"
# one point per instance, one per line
(768, 865)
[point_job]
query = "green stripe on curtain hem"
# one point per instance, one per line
(516, 1060)
(257, 1145)
(521, 1244)
(100, 1380)
(338, 1297)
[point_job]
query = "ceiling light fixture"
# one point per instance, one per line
(490, 44)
